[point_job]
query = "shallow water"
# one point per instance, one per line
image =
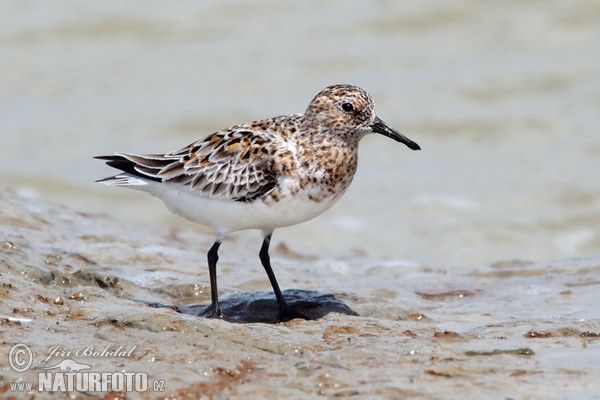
(503, 98)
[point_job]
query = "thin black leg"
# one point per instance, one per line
(213, 257)
(265, 259)
(285, 311)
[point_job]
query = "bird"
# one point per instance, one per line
(266, 174)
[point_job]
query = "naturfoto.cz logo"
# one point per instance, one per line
(68, 375)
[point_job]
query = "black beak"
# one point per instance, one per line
(378, 126)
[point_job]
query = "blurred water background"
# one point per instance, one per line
(503, 97)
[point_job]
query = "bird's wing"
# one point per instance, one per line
(234, 164)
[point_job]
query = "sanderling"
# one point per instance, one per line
(262, 175)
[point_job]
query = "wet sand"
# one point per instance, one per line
(514, 329)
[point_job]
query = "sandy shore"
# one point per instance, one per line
(75, 286)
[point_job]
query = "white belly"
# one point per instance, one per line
(227, 216)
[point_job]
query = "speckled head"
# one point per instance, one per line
(345, 107)
(350, 111)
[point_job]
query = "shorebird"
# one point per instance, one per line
(262, 175)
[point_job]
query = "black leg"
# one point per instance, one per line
(265, 259)
(213, 257)
(285, 311)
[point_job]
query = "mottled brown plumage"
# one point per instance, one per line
(264, 174)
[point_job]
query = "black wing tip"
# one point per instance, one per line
(112, 157)
(125, 165)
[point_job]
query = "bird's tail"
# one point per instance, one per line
(122, 180)
(130, 177)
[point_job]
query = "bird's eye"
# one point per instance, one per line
(348, 107)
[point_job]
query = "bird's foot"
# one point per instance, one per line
(287, 312)
(215, 313)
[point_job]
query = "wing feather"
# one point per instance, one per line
(235, 164)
